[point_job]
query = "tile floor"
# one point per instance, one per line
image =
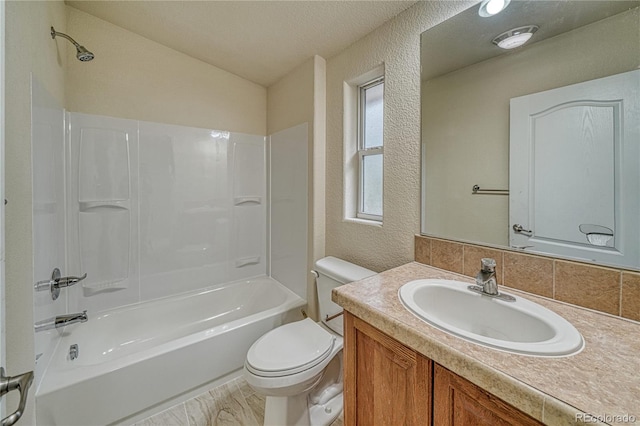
(233, 403)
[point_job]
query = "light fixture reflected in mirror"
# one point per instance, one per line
(492, 7)
(515, 37)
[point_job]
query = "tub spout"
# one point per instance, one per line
(61, 321)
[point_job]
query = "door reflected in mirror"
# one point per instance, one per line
(549, 132)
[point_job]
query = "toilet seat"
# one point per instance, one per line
(290, 349)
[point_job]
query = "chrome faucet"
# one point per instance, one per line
(487, 284)
(56, 282)
(486, 278)
(61, 321)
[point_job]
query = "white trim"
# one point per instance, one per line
(360, 207)
(370, 217)
(350, 139)
(363, 221)
(362, 152)
(2, 195)
(3, 51)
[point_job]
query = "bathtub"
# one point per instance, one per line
(135, 358)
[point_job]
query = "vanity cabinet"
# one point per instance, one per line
(457, 401)
(387, 383)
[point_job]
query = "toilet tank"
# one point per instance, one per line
(334, 272)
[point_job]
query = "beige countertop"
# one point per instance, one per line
(602, 380)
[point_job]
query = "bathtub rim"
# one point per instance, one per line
(189, 293)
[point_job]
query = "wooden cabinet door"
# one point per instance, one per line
(458, 402)
(385, 383)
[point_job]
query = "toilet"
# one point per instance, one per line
(298, 366)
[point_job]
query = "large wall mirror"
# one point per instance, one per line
(536, 147)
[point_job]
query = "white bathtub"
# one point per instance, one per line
(137, 357)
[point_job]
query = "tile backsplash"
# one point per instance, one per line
(610, 290)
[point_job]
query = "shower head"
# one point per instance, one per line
(81, 52)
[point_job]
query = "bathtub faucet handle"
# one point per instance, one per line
(69, 281)
(56, 282)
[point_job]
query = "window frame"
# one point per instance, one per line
(363, 152)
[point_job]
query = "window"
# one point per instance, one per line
(370, 149)
(363, 99)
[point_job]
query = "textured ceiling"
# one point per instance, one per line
(258, 40)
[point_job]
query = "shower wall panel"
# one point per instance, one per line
(289, 207)
(102, 205)
(183, 187)
(248, 240)
(189, 183)
(156, 209)
(47, 135)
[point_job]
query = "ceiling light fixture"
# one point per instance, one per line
(515, 37)
(492, 7)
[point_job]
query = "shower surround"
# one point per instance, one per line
(161, 218)
(155, 210)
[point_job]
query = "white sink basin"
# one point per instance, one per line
(521, 327)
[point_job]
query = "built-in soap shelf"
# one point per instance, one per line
(238, 201)
(86, 206)
(246, 261)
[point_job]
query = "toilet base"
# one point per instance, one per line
(287, 410)
(325, 414)
(296, 411)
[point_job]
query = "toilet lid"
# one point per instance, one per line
(289, 349)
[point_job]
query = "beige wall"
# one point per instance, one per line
(397, 45)
(297, 98)
(290, 100)
(459, 156)
(29, 49)
(133, 77)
